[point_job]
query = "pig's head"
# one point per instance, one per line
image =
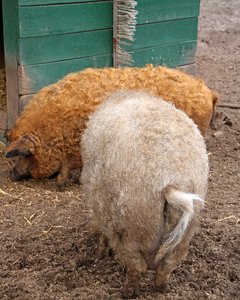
(22, 148)
(39, 158)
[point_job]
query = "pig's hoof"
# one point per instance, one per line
(60, 187)
(129, 292)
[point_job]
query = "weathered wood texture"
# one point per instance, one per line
(172, 55)
(3, 120)
(48, 2)
(69, 18)
(10, 17)
(65, 46)
(163, 10)
(46, 39)
(190, 69)
(163, 33)
(149, 10)
(33, 77)
(164, 5)
(84, 44)
(77, 17)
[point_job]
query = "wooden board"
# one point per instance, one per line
(48, 2)
(163, 10)
(171, 55)
(11, 52)
(58, 19)
(157, 34)
(3, 121)
(68, 46)
(76, 17)
(34, 77)
(190, 69)
(149, 10)
(173, 9)
(51, 38)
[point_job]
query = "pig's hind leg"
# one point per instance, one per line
(171, 261)
(135, 266)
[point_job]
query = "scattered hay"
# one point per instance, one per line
(3, 97)
(4, 193)
(230, 217)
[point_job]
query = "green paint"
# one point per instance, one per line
(51, 38)
(68, 46)
(38, 76)
(177, 31)
(41, 75)
(76, 17)
(48, 2)
(170, 55)
(162, 10)
(59, 19)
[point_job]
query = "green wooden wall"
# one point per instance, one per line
(54, 37)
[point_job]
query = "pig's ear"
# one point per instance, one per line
(25, 145)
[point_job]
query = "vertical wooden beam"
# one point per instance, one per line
(3, 121)
(124, 26)
(115, 62)
(10, 33)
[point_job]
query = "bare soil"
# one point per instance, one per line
(46, 245)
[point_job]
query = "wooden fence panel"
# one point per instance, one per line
(67, 46)
(92, 43)
(49, 2)
(171, 55)
(10, 17)
(34, 77)
(59, 19)
(162, 10)
(75, 17)
(47, 39)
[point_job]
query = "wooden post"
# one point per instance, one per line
(124, 26)
(10, 27)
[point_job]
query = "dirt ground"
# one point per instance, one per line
(47, 250)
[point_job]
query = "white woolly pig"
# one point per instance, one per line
(144, 176)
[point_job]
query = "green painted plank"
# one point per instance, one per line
(76, 17)
(68, 46)
(49, 2)
(58, 19)
(149, 10)
(171, 55)
(34, 77)
(163, 10)
(10, 19)
(157, 34)
(190, 69)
